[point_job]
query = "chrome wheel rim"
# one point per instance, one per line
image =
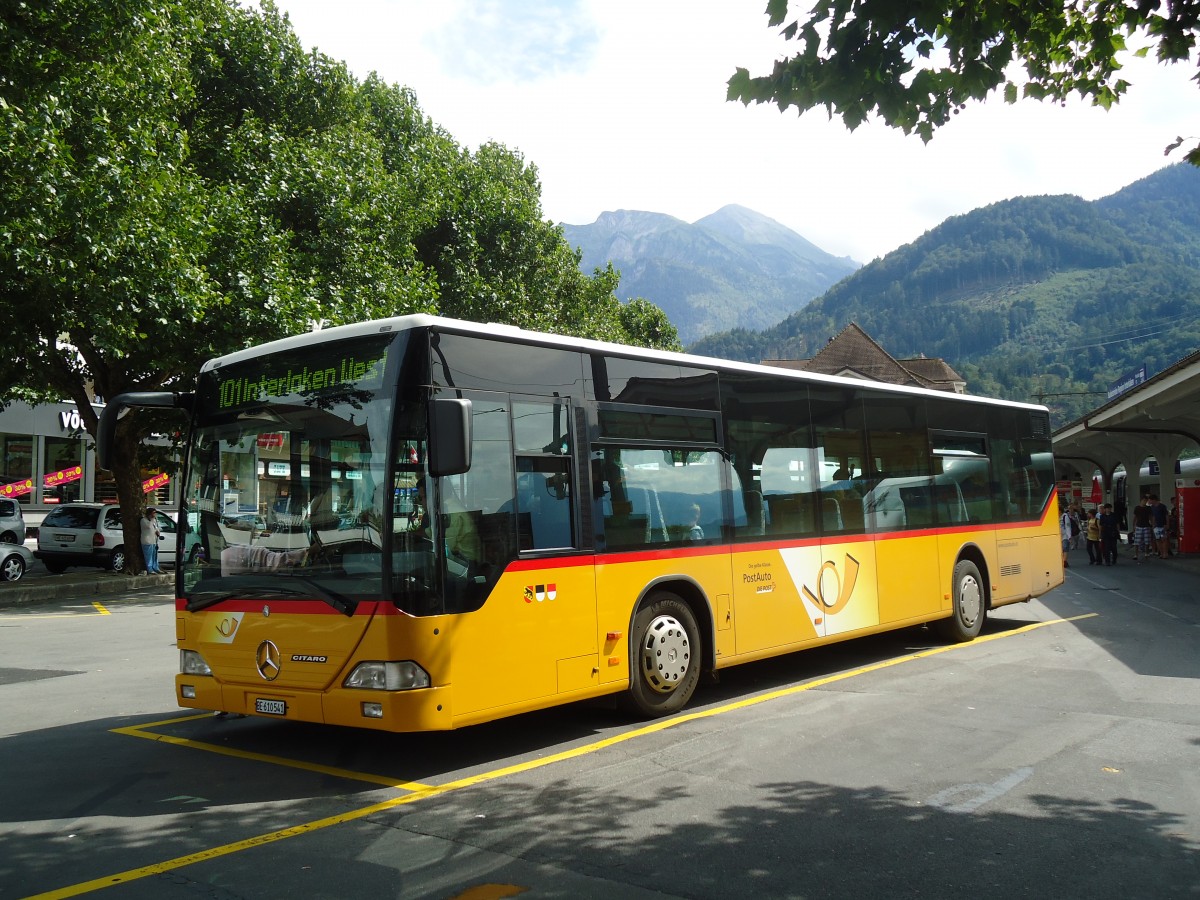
(665, 655)
(13, 569)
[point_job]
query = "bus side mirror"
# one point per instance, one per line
(113, 410)
(449, 436)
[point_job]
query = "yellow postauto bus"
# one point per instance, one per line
(419, 523)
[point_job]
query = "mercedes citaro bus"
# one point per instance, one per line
(419, 523)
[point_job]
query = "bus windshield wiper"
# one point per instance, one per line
(204, 599)
(340, 602)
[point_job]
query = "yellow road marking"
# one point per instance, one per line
(490, 892)
(421, 792)
(100, 611)
(139, 731)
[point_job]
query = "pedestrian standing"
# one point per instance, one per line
(1110, 534)
(1158, 517)
(1092, 534)
(1143, 530)
(150, 533)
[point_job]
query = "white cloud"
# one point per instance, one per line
(621, 104)
(501, 41)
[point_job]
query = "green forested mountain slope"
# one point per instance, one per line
(1037, 297)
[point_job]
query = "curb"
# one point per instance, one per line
(59, 587)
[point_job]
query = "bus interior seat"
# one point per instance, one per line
(831, 514)
(791, 514)
(756, 513)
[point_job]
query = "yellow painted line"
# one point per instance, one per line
(216, 852)
(101, 611)
(421, 792)
(139, 731)
(490, 892)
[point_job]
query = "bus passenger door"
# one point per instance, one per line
(663, 517)
(777, 590)
(529, 632)
(845, 592)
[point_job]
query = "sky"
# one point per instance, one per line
(620, 104)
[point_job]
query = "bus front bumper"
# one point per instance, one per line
(424, 709)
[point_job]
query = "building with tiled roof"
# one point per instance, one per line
(855, 354)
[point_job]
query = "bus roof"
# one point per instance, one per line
(397, 324)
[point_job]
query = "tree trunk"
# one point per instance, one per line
(127, 470)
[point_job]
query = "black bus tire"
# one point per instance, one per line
(970, 605)
(666, 656)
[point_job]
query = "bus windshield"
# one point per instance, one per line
(287, 491)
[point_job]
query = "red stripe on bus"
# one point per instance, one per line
(313, 607)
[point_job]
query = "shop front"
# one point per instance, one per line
(47, 458)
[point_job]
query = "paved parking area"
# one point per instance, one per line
(1055, 757)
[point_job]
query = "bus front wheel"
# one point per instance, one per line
(666, 658)
(970, 605)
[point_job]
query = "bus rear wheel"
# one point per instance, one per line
(970, 605)
(666, 659)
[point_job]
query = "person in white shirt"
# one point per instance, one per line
(150, 533)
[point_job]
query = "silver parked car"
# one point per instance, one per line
(14, 560)
(12, 522)
(89, 534)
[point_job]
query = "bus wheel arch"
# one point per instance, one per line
(969, 593)
(667, 647)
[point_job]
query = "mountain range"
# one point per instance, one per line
(733, 268)
(1044, 299)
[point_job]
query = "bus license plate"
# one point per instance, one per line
(270, 707)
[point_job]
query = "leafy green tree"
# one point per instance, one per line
(647, 325)
(103, 224)
(917, 62)
(180, 179)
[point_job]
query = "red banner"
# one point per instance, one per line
(153, 484)
(17, 488)
(63, 476)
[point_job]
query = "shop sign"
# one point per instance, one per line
(153, 484)
(62, 476)
(70, 422)
(16, 488)
(270, 441)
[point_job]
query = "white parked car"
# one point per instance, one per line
(89, 534)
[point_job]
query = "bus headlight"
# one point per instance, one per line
(192, 663)
(388, 676)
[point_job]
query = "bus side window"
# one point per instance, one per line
(543, 504)
(658, 496)
(484, 496)
(544, 501)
